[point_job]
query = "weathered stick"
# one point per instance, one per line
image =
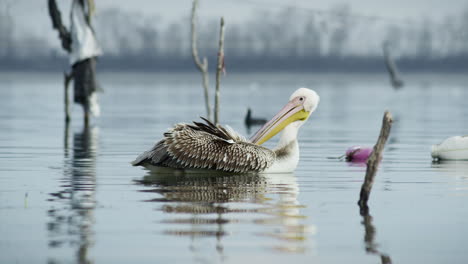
(219, 69)
(66, 81)
(202, 67)
(374, 160)
(66, 137)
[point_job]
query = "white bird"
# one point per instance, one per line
(213, 147)
(453, 148)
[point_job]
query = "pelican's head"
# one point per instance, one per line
(300, 106)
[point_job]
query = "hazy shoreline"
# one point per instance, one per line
(261, 64)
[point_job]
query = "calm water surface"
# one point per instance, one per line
(70, 195)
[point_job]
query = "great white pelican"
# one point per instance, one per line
(207, 146)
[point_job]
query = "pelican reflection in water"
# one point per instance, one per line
(71, 214)
(200, 206)
(213, 147)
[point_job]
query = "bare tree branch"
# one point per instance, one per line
(202, 67)
(219, 69)
(374, 160)
(57, 24)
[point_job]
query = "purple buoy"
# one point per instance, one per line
(358, 154)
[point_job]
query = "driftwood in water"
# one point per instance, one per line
(392, 69)
(374, 160)
(219, 69)
(202, 67)
(66, 40)
(252, 121)
(67, 79)
(83, 69)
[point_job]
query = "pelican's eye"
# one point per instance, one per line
(301, 98)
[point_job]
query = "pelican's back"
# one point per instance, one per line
(206, 146)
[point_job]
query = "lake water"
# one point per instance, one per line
(70, 195)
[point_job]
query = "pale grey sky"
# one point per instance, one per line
(238, 9)
(32, 15)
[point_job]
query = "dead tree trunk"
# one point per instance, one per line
(219, 69)
(202, 67)
(374, 160)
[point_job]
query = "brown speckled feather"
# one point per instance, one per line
(206, 146)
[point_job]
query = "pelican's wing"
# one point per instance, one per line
(206, 146)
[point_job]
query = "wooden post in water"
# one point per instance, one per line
(392, 69)
(219, 69)
(374, 160)
(66, 141)
(202, 67)
(67, 79)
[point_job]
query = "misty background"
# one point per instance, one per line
(269, 37)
